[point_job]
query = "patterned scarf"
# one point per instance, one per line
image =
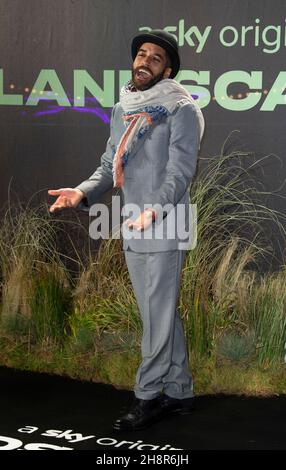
(142, 110)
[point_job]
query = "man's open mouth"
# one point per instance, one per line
(143, 74)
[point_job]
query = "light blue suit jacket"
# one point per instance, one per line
(159, 173)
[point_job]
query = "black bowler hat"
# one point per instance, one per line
(163, 39)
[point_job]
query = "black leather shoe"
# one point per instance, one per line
(143, 413)
(174, 405)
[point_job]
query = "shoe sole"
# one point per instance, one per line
(180, 411)
(135, 428)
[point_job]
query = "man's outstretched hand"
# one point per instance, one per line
(67, 197)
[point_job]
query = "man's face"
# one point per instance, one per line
(150, 66)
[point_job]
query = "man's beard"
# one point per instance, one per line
(151, 83)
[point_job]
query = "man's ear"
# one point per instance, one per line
(167, 72)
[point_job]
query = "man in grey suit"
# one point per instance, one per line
(151, 154)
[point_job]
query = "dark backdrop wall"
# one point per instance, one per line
(62, 63)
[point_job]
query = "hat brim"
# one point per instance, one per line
(171, 51)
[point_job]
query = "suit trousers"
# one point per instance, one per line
(164, 368)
